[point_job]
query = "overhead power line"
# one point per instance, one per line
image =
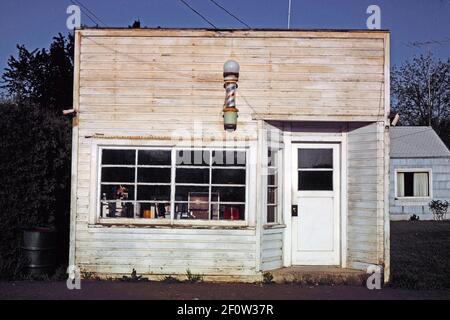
(231, 14)
(92, 16)
(198, 13)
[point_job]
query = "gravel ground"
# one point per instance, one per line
(112, 290)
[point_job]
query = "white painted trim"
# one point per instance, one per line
(94, 204)
(75, 142)
(287, 245)
(290, 138)
(430, 184)
(344, 200)
(387, 222)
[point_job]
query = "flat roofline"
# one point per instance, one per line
(238, 29)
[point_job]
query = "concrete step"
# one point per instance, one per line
(318, 275)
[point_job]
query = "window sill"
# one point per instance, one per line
(274, 226)
(155, 223)
(413, 201)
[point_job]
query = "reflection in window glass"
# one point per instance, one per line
(315, 158)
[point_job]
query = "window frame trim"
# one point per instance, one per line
(414, 170)
(96, 203)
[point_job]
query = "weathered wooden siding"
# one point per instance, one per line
(404, 209)
(148, 85)
(272, 249)
(153, 79)
(366, 178)
(157, 251)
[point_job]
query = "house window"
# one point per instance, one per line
(413, 184)
(274, 186)
(173, 184)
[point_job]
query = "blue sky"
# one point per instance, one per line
(34, 23)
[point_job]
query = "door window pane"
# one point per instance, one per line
(315, 180)
(315, 158)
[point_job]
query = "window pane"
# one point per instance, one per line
(154, 175)
(232, 212)
(228, 158)
(116, 209)
(192, 176)
(192, 158)
(153, 193)
(421, 184)
(272, 158)
(230, 194)
(113, 192)
(315, 158)
(183, 193)
(272, 195)
(118, 174)
(315, 180)
(154, 157)
(192, 210)
(271, 210)
(409, 184)
(118, 156)
(228, 176)
(153, 210)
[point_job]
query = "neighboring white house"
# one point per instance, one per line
(305, 180)
(420, 172)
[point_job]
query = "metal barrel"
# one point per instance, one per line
(39, 247)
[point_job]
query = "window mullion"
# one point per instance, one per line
(172, 187)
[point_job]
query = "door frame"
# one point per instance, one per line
(290, 138)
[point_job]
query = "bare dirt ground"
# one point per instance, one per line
(112, 290)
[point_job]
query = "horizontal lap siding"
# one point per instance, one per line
(272, 249)
(166, 251)
(441, 186)
(145, 80)
(365, 230)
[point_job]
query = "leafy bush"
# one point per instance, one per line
(192, 277)
(439, 208)
(35, 170)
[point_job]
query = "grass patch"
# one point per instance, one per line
(420, 254)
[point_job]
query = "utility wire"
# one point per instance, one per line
(224, 9)
(198, 13)
(87, 15)
(92, 13)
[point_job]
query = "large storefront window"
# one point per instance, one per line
(173, 183)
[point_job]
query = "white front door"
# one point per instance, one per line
(315, 204)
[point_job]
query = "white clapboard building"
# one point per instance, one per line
(280, 160)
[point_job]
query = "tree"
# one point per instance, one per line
(421, 94)
(42, 77)
(35, 148)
